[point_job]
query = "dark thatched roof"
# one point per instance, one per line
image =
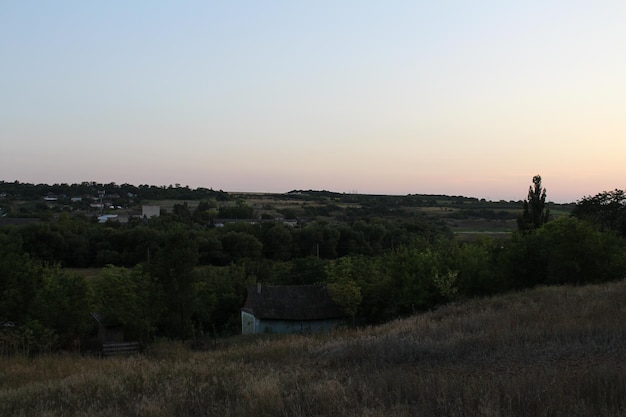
(291, 302)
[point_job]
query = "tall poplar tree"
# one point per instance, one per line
(535, 213)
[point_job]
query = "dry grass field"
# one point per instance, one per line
(551, 351)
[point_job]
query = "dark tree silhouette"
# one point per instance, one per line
(606, 209)
(535, 213)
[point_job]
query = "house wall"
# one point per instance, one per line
(248, 323)
(294, 326)
(253, 325)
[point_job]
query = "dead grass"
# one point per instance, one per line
(545, 352)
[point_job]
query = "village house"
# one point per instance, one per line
(289, 309)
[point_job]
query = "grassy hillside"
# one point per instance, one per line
(545, 352)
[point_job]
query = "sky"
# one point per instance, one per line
(467, 98)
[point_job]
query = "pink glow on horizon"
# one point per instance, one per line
(405, 97)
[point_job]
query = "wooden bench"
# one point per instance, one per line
(122, 348)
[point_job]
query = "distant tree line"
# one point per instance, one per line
(27, 191)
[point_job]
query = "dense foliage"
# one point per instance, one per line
(606, 210)
(182, 275)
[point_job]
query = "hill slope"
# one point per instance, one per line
(548, 351)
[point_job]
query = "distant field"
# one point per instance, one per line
(482, 226)
(168, 205)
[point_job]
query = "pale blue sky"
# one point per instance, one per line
(389, 97)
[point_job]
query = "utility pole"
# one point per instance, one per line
(101, 195)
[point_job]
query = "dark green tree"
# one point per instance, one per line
(535, 213)
(343, 287)
(43, 241)
(277, 241)
(219, 294)
(580, 254)
(20, 279)
(477, 263)
(242, 210)
(127, 297)
(64, 304)
(352, 240)
(606, 209)
(301, 271)
(319, 239)
(205, 212)
(173, 270)
(239, 245)
(182, 213)
(564, 251)
(414, 276)
(210, 248)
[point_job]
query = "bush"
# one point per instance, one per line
(564, 251)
